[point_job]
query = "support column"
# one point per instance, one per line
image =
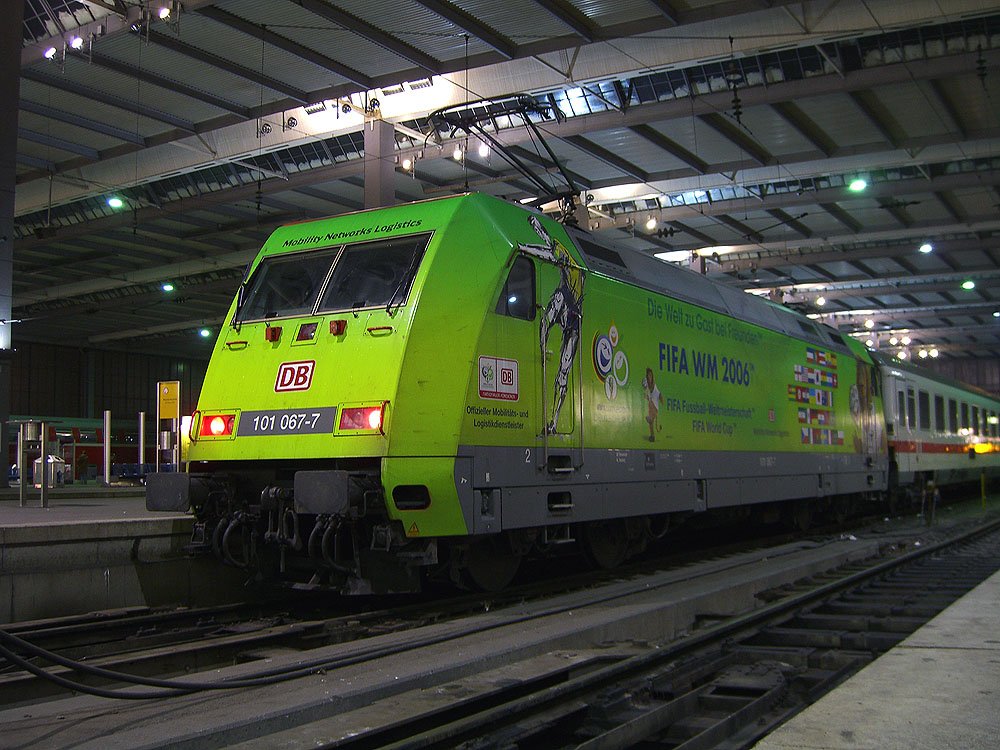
(380, 164)
(10, 83)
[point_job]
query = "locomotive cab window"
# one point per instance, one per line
(285, 285)
(374, 274)
(517, 298)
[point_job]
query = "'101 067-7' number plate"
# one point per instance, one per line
(287, 422)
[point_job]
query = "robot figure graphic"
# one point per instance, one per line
(563, 309)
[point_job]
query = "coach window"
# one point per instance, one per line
(517, 298)
(911, 409)
(965, 417)
(993, 424)
(939, 413)
(925, 409)
(952, 416)
(901, 408)
(975, 420)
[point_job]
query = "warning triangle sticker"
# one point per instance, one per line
(413, 530)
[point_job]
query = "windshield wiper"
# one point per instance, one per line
(410, 270)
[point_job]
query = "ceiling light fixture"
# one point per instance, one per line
(163, 13)
(869, 324)
(857, 185)
(484, 150)
(76, 42)
(167, 286)
(923, 354)
(115, 202)
(870, 343)
(50, 53)
(901, 354)
(926, 247)
(893, 341)
(651, 223)
(905, 341)
(969, 284)
(407, 164)
(457, 153)
(204, 333)
(934, 353)
(820, 301)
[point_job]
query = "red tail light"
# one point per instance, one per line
(362, 418)
(217, 425)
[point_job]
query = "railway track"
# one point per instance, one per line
(303, 648)
(162, 642)
(730, 684)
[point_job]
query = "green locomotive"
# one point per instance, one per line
(449, 385)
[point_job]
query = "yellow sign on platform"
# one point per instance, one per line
(169, 393)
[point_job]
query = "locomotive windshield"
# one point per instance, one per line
(374, 274)
(369, 274)
(286, 285)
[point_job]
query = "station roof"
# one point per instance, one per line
(724, 134)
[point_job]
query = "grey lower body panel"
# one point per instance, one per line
(513, 489)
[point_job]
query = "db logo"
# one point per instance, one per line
(294, 376)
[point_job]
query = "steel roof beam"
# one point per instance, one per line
(113, 101)
(81, 122)
(951, 205)
(372, 33)
(286, 44)
(873, 110)
(953, 119)
(472, 26)
(738, 137)
(680, 227)
(175, 45)
(744, 231)
(582, 26)
(526, 155)
(885, 287)
(58, 143)
(162, 82)
(31, 161)
(848, 254)
(671, 147)
(804, 126)
(842, 216)
(668, 11)
(822, 272)
(791, 221)
(896, 211)
(602, 154)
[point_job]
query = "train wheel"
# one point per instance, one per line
(490, 564)
(800, 515)
(605, 542)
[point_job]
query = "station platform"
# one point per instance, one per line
(95, 548)
(939, 688)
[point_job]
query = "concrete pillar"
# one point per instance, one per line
(380, 164)
(10, 84)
